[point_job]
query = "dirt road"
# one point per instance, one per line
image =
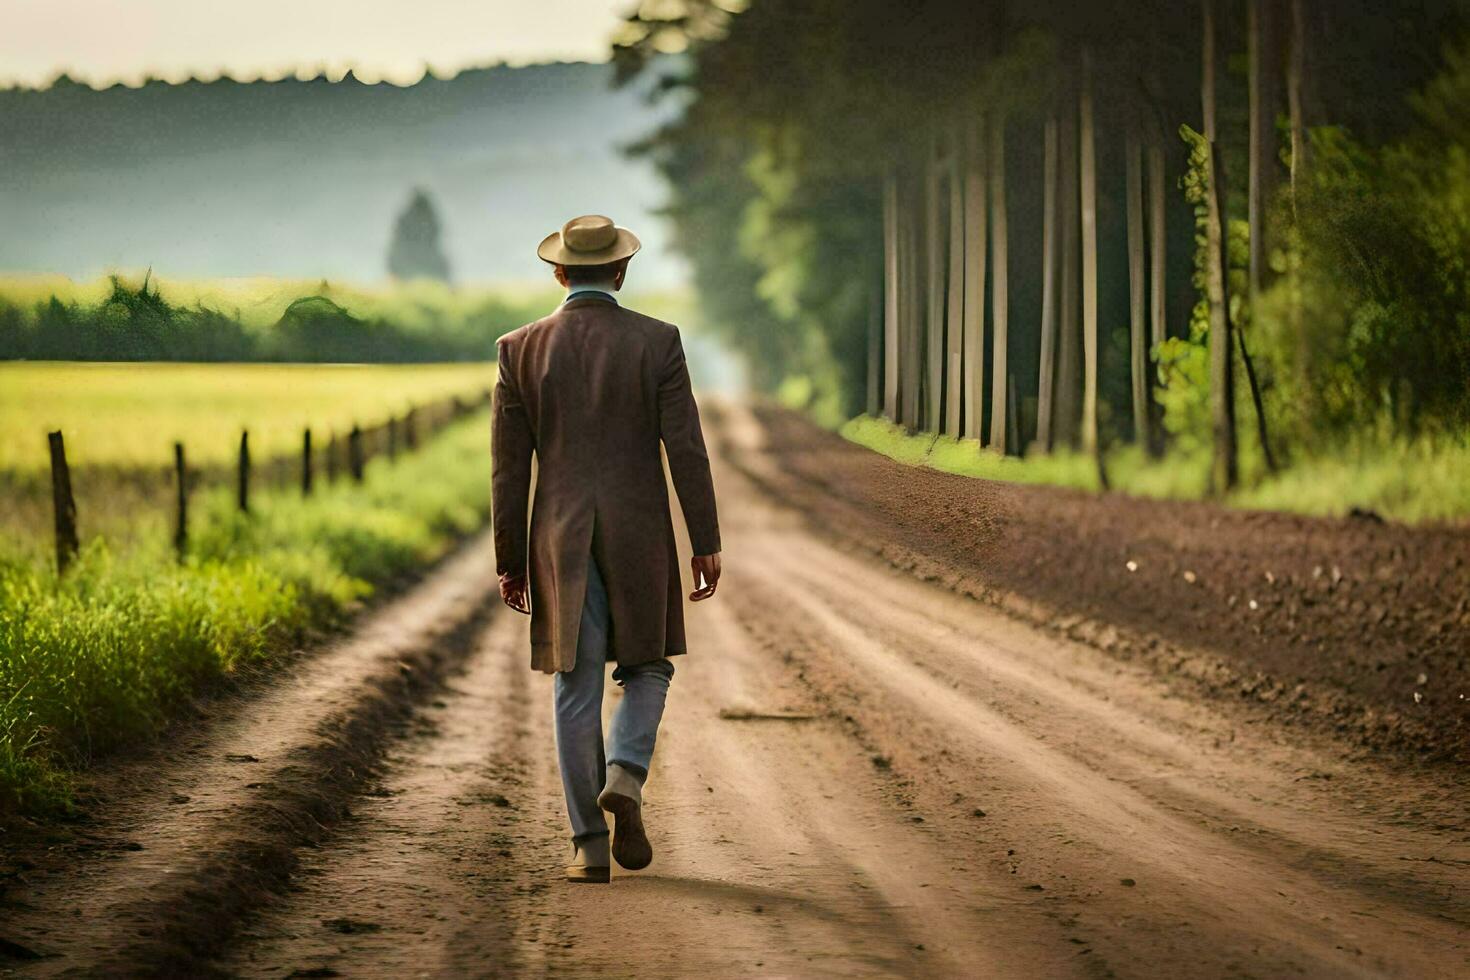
(860, 774)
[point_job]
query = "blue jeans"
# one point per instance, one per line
(578, 699)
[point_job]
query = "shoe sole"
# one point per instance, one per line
(630, 847)
(588, 876)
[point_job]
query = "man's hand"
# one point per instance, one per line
(513, 591)
(706, 568)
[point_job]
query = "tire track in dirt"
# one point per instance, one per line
(779, 848)
(206, 828)
(414, 882)
(1183, 760)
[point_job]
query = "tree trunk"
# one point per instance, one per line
(1069, 332)
(1013, 428)
(1222, 389)
(954, 329)
(1138, 314)
(975, 260)
(1262, 53)
(890, 298)
(910, 298)
(874, 403)
(1158, 322)
(1263, 96)
(1296, 67)
(1256, 402)
(934, 267)
(1088, 199)
(1046, 375)
(1000, 300)
(1295, 80)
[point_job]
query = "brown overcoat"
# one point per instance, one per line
(591, 391)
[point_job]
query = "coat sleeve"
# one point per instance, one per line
(678, 419)
(511, 446)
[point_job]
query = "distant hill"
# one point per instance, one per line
(304, 178)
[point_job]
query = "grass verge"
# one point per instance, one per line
(118, 646)
(1415, 482)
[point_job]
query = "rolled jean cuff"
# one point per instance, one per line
(632, 767)
(578, 838)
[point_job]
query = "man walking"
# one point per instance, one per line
(591, 391)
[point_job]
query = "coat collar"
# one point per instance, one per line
(589, 300)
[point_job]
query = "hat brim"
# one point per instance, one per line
(551, 250)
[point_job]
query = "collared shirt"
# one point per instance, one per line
(592, 290)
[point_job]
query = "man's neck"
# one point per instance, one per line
(608, 288)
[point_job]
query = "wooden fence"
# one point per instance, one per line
(344, 455)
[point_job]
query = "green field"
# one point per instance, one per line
(131, 414)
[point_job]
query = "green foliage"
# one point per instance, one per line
(1184, 385)
(116, 647)
(1369, 328)
(1183, 362)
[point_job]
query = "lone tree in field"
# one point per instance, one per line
(415, 251)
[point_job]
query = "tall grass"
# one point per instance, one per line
(114, 649)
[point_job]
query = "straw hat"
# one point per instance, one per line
(589, 240)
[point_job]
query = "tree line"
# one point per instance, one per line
(1235, 229)
(139, 323)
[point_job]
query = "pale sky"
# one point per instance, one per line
(101, 41)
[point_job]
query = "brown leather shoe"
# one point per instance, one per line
(622, 796)
(589, 861)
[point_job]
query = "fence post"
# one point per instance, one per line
(410, 429)
(354, 453)
(392, 438)
(332, 450)
(181, 506)
(244, 480)
(63, 504)
(306, 462)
